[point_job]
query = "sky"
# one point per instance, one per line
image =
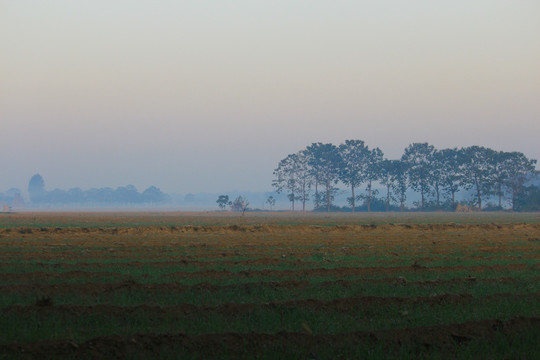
(208, 96)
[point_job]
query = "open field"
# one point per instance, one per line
(316, 286)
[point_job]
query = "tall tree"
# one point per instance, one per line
(36, 189)
(304, 177)
(373, 173)
(355, 159)
(386, 179)
(418, 157)
(479, 171)
(519, 170)
(437, 174)
(500, 162)
(325, 163)
(286, 177)
(271, 201)
(223, 201)
(451, 164)
(398, 178)
(240, 204)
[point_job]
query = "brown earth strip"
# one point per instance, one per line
(443, 339)
(266, 229)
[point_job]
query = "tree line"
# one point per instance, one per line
(122, 195)
(437, 176)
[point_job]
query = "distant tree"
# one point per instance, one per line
(240, 204)
(304, 177)
(527, 199)
(153, 195)
(500, 166)
(386, 178)
(271, 201)
(56, 196)
(451, 163)
(103, 195)
(223, 201)
(286, 177)
(75, 195)
(354, 163)
(418, 157)
(519, 171)
(127, 194)
(325, 162)
(398, 179)
(373, 173)
(437, 175)
(36, 189)
(479, 171)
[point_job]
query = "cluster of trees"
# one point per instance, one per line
(436, 175)
(240, 204)
(122, 195)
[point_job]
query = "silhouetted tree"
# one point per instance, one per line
(153, 195)
(519, 170)
(325, 162)
(240, 204)
(271, 201)
(387, 179)
(418, 157)
(479, 171)
(451, 161)
(287, 177)
(223, 201)
(373, 173)
(354, 163)
(127, 194)
(36, 189)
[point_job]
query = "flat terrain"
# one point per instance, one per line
(314, 286)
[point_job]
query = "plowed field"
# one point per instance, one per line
(216, 285)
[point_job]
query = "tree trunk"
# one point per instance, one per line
(353, 198)
(387, 198)
(316, 195)
(478, 196)
(500, 195)
(438, 196)
(422, 194)
(369, 197)
(304, 196)
(328, 190)
(514, 197)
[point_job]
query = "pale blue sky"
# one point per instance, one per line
(209, 95)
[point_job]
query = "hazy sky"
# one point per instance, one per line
(199, 95)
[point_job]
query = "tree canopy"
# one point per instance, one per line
(437, 176)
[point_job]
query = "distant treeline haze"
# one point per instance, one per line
(102, 196)
(436, 175)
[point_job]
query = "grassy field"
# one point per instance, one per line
(315, 286)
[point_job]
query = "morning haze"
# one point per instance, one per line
(199, 96)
